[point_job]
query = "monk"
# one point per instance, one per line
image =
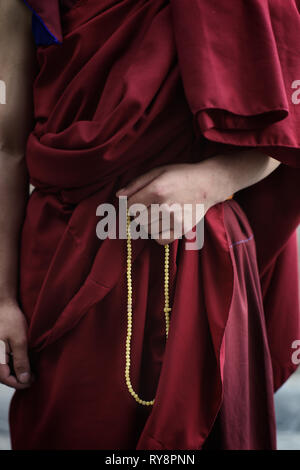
(141, 343)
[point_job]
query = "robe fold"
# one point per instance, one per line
(123, 87)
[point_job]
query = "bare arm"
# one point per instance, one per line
(208, 182)
(228, 174)
(16, 67)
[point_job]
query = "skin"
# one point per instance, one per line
(16, 62)
(208, 182)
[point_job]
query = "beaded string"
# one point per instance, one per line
(167, 311)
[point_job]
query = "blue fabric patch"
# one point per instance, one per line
(42, 35)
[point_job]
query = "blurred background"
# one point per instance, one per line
(287, 402)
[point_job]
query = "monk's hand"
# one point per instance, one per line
(189, 185)
(178, 189)
(14, 363)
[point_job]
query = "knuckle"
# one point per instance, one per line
(159, 189)
(20, 365)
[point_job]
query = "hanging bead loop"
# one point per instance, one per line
(166, 310)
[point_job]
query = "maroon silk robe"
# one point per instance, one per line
(130, 85)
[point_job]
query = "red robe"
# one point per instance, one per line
(130, 86)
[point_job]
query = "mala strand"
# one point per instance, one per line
(167, 311)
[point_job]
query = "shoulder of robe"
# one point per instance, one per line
(241, 72)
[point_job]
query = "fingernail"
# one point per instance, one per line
(24, 378)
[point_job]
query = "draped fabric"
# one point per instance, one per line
(46, 25)
(134, 85)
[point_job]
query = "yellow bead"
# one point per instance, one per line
(166, 309)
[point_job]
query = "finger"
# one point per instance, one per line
(145, 196)
(21, 360)
(154, 222)
(149, 223)
(148, 216)
(162, 240)
(10, 380)
(140, 182)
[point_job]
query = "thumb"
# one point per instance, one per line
(21, 361)
(140, 182)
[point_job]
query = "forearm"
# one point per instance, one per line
(16, 71)
(13, 197)
(233, 172)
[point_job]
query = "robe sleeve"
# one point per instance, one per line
(46, 24)
(240, 65)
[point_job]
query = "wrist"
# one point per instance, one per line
(218, 177)
(8, 298)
